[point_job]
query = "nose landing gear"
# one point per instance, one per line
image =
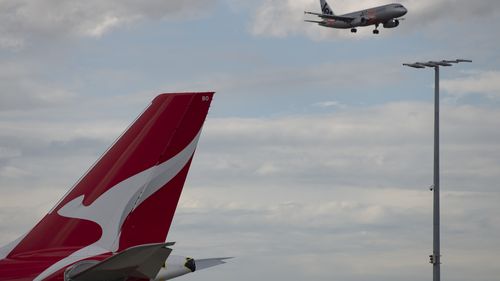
(354, 30)
(375, 31)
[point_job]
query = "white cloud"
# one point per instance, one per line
(25, 20)
(325, 104)
(284, 18)
(390, 144)
(23, 88)
(486, 83)
(292, 82)
(12, 172)
(108, 23)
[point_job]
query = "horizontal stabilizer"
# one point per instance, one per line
(142, 262)
(206, 263)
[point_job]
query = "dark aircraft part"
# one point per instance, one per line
(391, 23)
(139, 262)
(190, 264)
(78, 268)
(359, 21)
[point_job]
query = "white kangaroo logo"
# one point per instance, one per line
(110, 210)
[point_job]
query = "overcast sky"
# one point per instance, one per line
(316, 157)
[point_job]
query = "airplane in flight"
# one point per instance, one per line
(387, 15)
(113, 224)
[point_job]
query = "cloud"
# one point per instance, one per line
(307, 193)
(43, 151)
(284, 18)
(486, 83)
(309, 80)
(23, 88)
(430, 12)
(390, 144)
(347, 191)
(23, 21)
(326, 104)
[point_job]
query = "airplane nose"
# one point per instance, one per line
(404, 10)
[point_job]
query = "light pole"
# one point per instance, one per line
(435, 258)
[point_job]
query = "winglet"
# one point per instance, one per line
(206, 263)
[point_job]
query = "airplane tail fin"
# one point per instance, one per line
(129, 196)
(325, 8)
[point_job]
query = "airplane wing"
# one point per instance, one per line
(142, 262)
(314, 21)
(332, 17)
(178, 265)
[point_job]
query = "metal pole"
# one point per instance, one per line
(436, 241)
(435, 258)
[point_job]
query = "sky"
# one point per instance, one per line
(316, 157)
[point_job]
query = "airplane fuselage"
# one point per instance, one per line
(376, 15)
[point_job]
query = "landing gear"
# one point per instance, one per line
(353, 30)
(375, 31)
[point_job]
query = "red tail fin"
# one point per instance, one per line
(130, 195)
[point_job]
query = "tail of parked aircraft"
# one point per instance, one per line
(129, 196)
(325, 8)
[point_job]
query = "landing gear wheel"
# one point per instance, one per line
(375, 31)
(353, 30)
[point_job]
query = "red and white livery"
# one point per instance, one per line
(113, 224)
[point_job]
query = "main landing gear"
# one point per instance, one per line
(375, 31)
(353, 30)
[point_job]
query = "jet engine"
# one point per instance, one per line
(178, 265)
(391, 23)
